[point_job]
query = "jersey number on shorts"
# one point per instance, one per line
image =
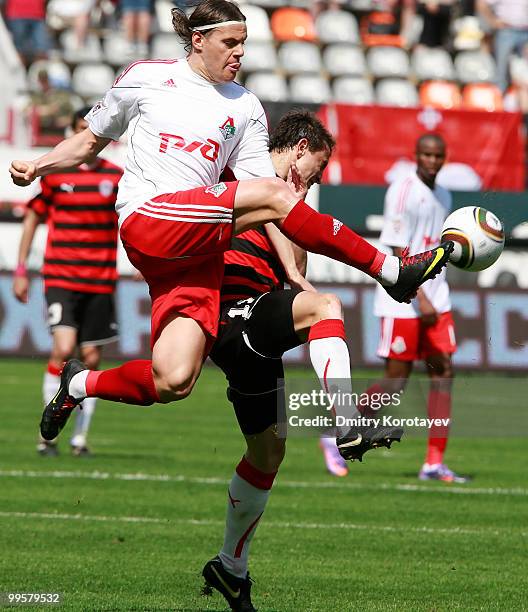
(54, 313)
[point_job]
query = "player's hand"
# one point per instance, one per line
(299, 282)
(21, 288)
(296, 183)
(428, 314)
(23, 173)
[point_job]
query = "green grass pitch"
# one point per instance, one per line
(130, 528)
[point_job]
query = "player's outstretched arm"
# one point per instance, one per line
(71, 152)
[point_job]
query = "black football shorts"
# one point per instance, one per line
(91, 314)
(252, 337)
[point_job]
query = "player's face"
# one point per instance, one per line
(222, 51)
(430, 157)
(311, 166)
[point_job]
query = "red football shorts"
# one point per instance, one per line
(177, 242)
(410, 340)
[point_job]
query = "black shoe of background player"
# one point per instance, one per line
(354, 444)
(61, 406)
(416, 269)
(237, 591)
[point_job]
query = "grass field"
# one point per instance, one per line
(130, 528)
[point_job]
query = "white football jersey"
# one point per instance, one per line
(182, 130)
(413, 217)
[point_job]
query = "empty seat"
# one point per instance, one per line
(290, 23)
(259, 55)
(482, 96)
(310, 88)
(440, 94)
(342, 59)
(268, 86)
(59, 74)
(300, 57)
(337, 26)
(163, 15)
(353, 90)
(396, 92)
(432, 64)
(117, 50)
(89, 52)
(257, 23)
(519, 69)
(474, 66)
(92, 80)
(167, 46)
(388, 62)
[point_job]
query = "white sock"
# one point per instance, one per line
(77, 387)
(331, 362)
(245, 505)
(82, 421)
(50, 386)
(390, 270)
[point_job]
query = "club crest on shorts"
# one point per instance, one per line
(217, 190)
(228, 128)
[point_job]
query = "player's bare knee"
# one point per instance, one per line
(329, 306)
(62, 351)
(175, 385)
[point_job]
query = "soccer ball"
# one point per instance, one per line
(478, 236)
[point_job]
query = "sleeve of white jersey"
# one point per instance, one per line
(110, 117)
(251, 158)
(397, 216)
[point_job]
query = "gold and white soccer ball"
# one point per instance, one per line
(478, 236)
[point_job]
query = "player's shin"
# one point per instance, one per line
(323, 234)
(331, 361)
(247, 496)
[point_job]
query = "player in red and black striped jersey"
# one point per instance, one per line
(79, 270)
(259, 321)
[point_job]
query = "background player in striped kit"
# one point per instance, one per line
(259, 321)
(415, 210)
(79, 271)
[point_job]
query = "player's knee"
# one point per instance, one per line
(329, 306)
(63, 351)
(174, 385)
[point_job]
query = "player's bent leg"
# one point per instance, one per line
(258, 201)
(266, 450)
(177, 358)
(309, 308)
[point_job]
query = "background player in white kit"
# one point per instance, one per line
(415, 210)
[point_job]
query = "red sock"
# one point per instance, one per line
(438, 407)
(53, 369)
(325, 235)
(131, 383)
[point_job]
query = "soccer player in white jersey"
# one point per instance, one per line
(415, 210)
(187, 120)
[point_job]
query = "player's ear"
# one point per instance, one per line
(302, 147)
(197, 41)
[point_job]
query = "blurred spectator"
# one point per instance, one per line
(390, 24)
(436, 21)
(509, 21)
(136, 22)
(26, 20)
(51, 108)
(75, 13)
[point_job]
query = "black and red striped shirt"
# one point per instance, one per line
(252, 267)
(79, 205)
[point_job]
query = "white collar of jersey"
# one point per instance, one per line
(217, 25)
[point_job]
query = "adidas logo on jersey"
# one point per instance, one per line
(337, 226)
(168, 83)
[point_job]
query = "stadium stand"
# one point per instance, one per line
(268, 86)
(440, 94)
(291, 23)
(310, 88)
(396, 92)
(482, 96)
(353, 90)
(298, 57)
(388, 62)
(344, 59)
(475, 66)
(432, 64)
(337, 27)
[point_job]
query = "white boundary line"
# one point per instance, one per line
(271, 524)
(290, 484)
